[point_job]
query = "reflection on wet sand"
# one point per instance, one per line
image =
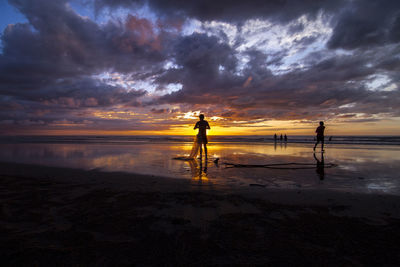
(320, 166)
(358, 168)
(199, 171)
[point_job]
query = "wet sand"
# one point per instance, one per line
(69, 217)
(360, 168)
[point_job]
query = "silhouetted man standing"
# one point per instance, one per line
(202, 135)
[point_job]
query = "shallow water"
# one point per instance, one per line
(360, 168)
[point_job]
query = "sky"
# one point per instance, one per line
(252, 67)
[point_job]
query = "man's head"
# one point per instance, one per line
(201, 116)
(321, 123)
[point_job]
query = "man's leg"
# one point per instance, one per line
(205, 150)
(322, 145)
(201, 151)
(316, 143)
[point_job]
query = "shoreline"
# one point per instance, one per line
(363, 140)
(78, 217)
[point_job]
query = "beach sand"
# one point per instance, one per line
(53, 216)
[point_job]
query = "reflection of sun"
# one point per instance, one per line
(201, 179)
(199, 172)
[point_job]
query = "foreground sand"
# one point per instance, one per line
(66, 217)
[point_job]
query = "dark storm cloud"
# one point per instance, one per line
(59, 43)
(78, 111)
(64, 101)
(85, 92)
(315, 92)
(367, 23)
(55, 55)
(205, 66)
(47, 65)
(357, 23)
(230, 10)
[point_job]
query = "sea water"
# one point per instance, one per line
(349, 163)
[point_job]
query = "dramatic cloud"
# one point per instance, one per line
(230, 10)
(367, 23)
(147, 65)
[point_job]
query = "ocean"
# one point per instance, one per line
(356, 140)
(362, 164)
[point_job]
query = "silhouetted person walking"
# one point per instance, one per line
(285, 138)
(275, 137)
(281, 137)
(202, 125)
(320, 135)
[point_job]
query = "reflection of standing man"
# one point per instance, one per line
(320, 135)
(320, 166)
(202, 125)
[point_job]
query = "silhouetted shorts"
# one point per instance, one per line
(202, 139)
(320, 138)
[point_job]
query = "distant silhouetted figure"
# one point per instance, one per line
(285, 138)
(281, 137)
(320, 135)
(275, 137)
(330, 138)
(320, 166)
(202, 125)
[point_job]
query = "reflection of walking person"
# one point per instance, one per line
(202, 125)
(320, 135)
(320, 166)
